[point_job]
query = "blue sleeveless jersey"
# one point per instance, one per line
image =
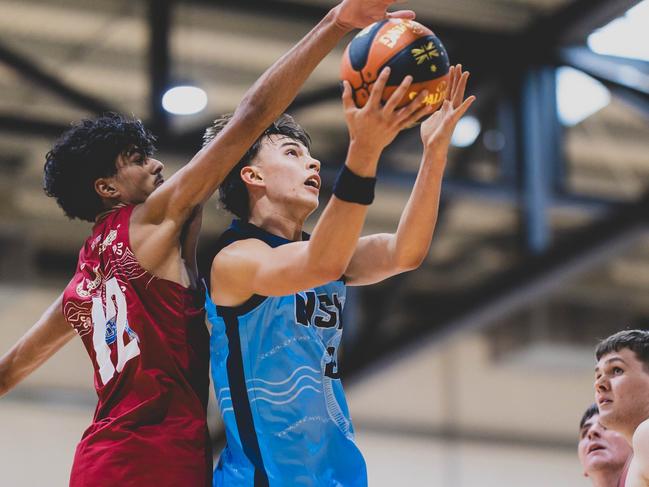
(278, 386)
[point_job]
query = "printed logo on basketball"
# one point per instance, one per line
(432, 98)
(391, 37)
(426, 53)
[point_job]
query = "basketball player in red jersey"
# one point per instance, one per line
(603, 453)
(133, 299)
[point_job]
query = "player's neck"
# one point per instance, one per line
(278, 224)
(108, 210)
(606, 478)
(281, 220)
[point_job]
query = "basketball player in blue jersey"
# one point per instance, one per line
(277, 294)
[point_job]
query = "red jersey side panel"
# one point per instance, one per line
(149, 346)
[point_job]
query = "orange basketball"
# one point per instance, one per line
(408, 48)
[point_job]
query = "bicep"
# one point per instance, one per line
(252, 267)
(371, 261)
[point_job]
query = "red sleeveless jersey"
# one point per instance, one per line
(149, 346)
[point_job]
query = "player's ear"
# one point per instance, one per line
(252, 176)
(105, 188)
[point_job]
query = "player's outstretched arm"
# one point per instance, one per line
(42, 341)
(380, 256)
(261, 105)
(251, 267)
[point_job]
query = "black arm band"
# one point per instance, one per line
(353, 188)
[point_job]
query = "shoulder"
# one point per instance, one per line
(641, 437)
(234, 269)
(640, 463)
(240, 253)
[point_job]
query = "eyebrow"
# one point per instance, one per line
(614, 359)
(290, 142)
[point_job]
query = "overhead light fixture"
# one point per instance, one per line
(579, 96)
(466, 131)
(184, 100)
(624, 36)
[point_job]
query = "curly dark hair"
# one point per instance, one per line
(232, 192)
(86, 152)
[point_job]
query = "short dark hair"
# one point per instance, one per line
(589, 413)
(86, 152)
(635, 340)
(232, 192)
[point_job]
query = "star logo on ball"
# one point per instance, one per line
(425, 53)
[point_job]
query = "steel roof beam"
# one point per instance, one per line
(160, 12)
(617, 70)
(39, 75)
(573, 23)
(532, 278)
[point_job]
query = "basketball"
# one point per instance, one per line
(408, 48)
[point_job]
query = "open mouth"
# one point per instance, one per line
(595, 447)
(313, 182)
(158, 182)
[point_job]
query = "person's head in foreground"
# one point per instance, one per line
(603, 453)
(622, 381)
(277, 174)
(99, 163)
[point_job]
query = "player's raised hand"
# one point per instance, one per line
(436, 132)
(375, 125)
(356, 14)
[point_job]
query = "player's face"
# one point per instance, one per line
(622, 391)
(600, 448)
(137, 176)
(289, 175)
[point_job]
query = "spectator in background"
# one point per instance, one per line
(603, 453)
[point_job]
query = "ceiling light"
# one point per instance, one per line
(466, 131)
(184, 100)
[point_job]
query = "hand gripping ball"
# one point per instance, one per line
(408, 48)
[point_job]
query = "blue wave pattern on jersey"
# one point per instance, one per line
(278, 387)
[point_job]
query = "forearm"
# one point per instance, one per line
(44, 339)
(262, 104)
(271, 94)
(336, 235)
(276, 88)
(412, 239)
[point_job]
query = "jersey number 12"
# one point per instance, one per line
(113, 314)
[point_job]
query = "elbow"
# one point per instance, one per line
(411, 262)
(327, 272)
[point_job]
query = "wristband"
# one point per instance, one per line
(353, 188)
